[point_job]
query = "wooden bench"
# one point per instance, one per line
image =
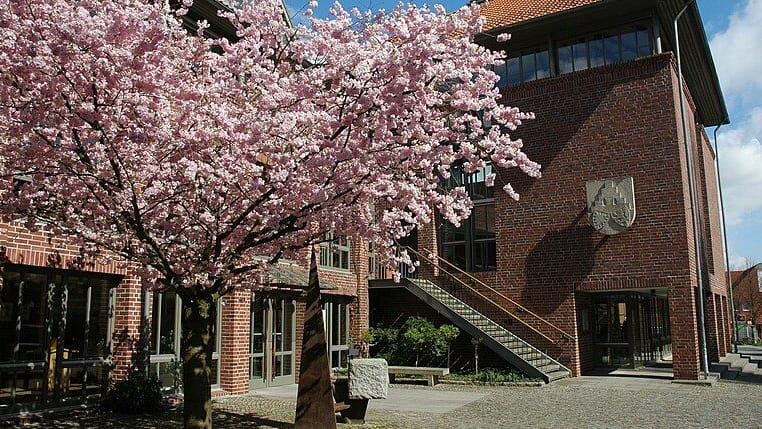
(432, 374)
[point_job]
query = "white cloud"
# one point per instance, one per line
(736, 52)
(741, 167)
(738, 263)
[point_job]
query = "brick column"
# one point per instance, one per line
(727, 322)
(234, 365)
(427, 242)
(712, 329)
(128, 310)
(683, 321)
(730, 323)
(358, 309)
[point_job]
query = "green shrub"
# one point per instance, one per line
(137, 394)
(417, 340)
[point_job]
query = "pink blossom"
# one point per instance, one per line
(201, 163)
(503, 37)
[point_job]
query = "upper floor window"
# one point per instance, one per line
(602, 48)
(584, 52)
(523, 68)
(471, 246)
(334, 252)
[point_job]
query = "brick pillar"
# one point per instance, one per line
(128, 310)
(722, 321)
(427, 243)
(712, 329)
(301, 307)
(358, 309)
(234, 365)
(730, 323)
(683, 320)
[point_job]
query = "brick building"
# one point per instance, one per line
(68, 324)
(535, 280)
(747, 297)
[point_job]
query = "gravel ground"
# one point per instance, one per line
(586, 402)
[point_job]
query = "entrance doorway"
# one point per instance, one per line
(273, 341)
(631, 329)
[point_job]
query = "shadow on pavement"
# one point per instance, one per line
(97, 419)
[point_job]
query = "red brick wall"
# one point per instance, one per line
(48, 250)
(588, 128)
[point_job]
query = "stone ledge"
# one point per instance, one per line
(496, 384)
(710, 381)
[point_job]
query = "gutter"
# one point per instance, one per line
(731, 303)
(692, 188)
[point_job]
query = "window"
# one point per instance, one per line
(56, 328)
(376, 270)
(334, 252)
(523, 68)
(607, 47)
(165, 341)
(471, 246)
(337, 330)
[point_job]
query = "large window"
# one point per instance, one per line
(471, 246)
(337, 327)
(334, 252)
(55, 326)
(524, 68)
(165, 341)
(605, 47)
(580, 53)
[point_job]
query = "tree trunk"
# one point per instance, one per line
(199, 316)
(314, 402)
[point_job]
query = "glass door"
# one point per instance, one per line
(58, 327)
(613, 332)
(273, 342)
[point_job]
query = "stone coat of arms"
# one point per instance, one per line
(611, 204)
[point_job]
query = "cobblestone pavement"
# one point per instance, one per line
(587, 402)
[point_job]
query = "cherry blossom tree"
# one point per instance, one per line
(204, 161)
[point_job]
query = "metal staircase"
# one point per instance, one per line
(456, 294)
(519, 353)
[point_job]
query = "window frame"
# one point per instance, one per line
(335, 245)
(337, 310)
(156, 359)
(468, 226)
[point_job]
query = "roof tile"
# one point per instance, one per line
(501, 13)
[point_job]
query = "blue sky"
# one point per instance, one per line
(734, 29)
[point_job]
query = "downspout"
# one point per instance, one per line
(692, 188)
(725, 241)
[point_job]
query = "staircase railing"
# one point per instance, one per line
(517, 308)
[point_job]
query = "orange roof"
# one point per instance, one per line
(500, 13)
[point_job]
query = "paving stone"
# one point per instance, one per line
(588, 402)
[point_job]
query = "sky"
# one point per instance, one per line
(734, 30)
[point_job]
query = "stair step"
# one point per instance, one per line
(557, 375)
(550, 367)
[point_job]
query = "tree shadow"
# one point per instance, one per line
(560, 262)
(95, 418)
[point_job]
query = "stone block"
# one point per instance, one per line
(368, 379)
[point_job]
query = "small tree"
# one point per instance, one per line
(204, 161)
(420, 336)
